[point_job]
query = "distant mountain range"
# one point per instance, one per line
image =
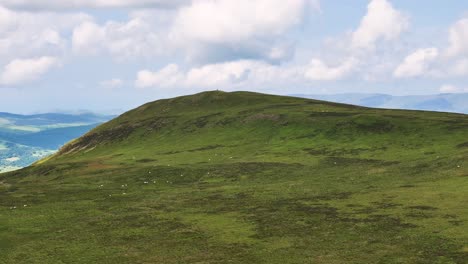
(26, 138)
(457, 103)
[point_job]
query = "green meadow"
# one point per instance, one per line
(246, 178)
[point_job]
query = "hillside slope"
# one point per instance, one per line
(246, 178)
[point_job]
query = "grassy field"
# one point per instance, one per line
(246, 178)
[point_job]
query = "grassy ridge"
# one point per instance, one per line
(246, 178)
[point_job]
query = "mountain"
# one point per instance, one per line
(456, 103)
(26, 138)
(243, 177)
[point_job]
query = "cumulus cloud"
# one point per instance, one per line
(443, 62)
(21, 71)
(234, 21)
(135, 38)
(243, 28)
(458, 38)
(219, 75)
(222, 73)
(417, 63)
(87, 38)
(242, 73)
(200, 30)
(29, 34)
(382, 22)
(317, 70)
(453, 61)
(210, 75)
(223, 43)
(73, 4)
(369, 52)
(166, 77)
(205, 31)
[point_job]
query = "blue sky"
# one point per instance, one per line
(113, 55)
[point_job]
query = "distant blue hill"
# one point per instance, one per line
(457, 103)
(54, 118)
(25, 139)
(48, 139)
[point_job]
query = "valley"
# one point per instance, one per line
(25, 139)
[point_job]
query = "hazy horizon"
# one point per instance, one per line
(332, 97)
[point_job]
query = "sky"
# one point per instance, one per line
(108, 56)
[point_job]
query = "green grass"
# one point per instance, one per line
(246, 178)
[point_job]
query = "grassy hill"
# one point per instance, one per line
(246, 178)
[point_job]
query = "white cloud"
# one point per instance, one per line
(73, 4)
(87, 38)
(234, 21)
(135, 38)
(225, 75)
(242, 43)
(416, 64)
(241, 29)
(221, 74)
(26, 70)
(368, 53)
(205, 31)
(382, 21)
(244, 74)
(211, 75)
(317, 70)
(7, 19)
(458, 38)
(167, 77)
(29, 34)
(112, 83)
(447, 88)
(444, 62)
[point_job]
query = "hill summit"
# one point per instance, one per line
(243, 177)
